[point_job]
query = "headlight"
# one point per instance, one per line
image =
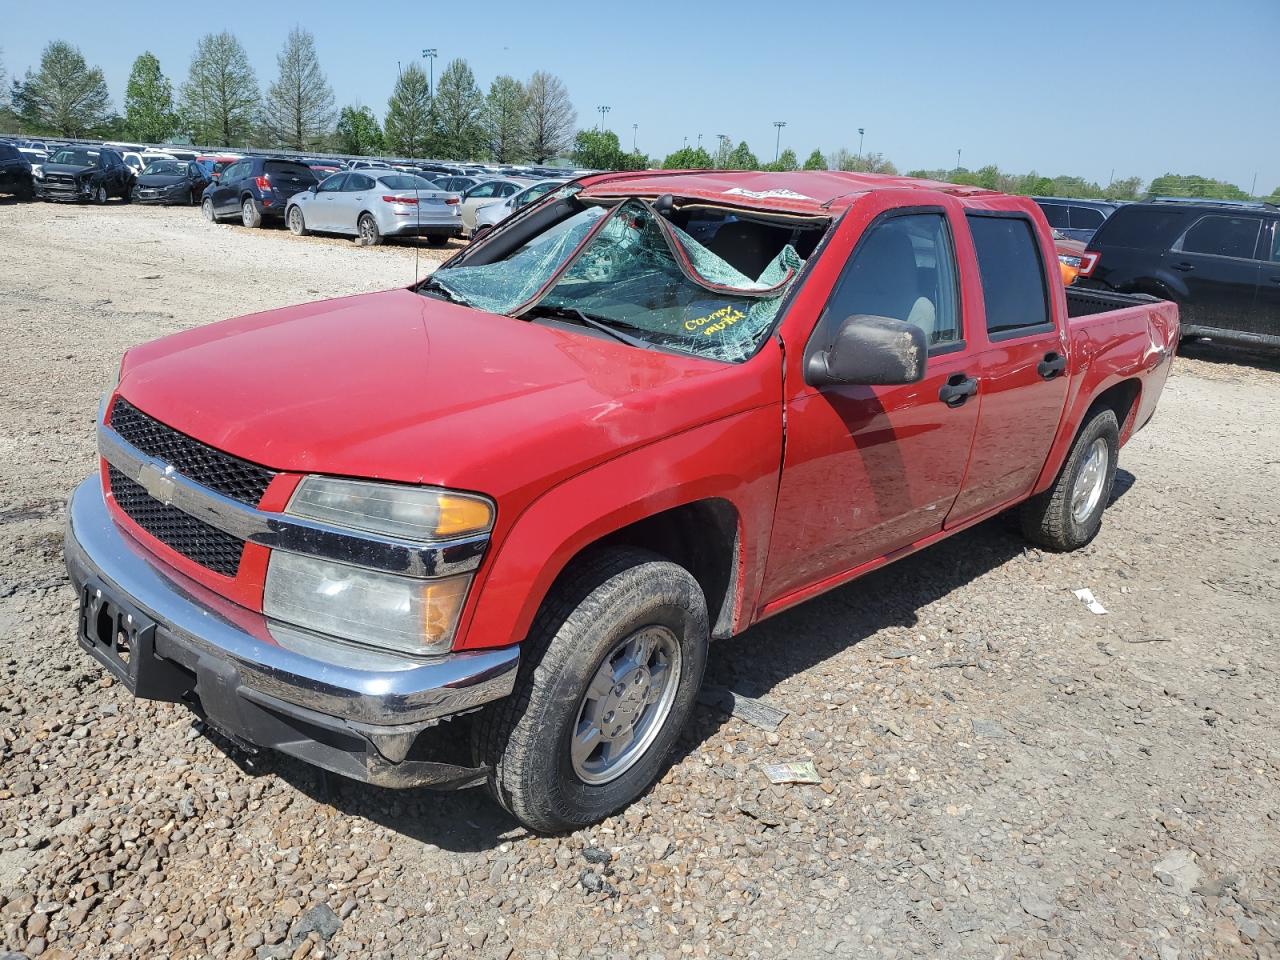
(419, 514)
(37, 171)
(1070, 261)
(380, 609)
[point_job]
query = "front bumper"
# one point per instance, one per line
(61, 190)
(361, 713)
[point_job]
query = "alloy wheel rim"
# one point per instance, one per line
(246, 214)
(366, 230)
(626, 705)
(1087, 490)
(207, 207)
(295, 220)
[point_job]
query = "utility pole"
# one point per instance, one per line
(429, 54)
(957, 159)
(634, 127)
(724, 147)
(603, 110)
(777, 140)
(861, 131)
(699, 141)
(1253, 190)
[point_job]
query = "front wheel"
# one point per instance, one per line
(608, 677)
(297, 225)
(249, 214)
(1069, 514)
(100, 194)
(370, 235)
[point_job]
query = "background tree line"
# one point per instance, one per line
(220, 103)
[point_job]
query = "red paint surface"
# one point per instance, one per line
(574, 435)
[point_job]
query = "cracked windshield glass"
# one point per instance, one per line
(644, 278)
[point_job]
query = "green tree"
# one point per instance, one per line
(816, 161)
(65, 96)
(688, 158)
(220, 97)
(505, 120)
(458, 108)
(741, 158)
(845, 159)
(407, 129)
(358, 132)
(550, 117)
(786, 161)
(149, 115)
(600, 150)
(298, 113)
(1126, 189)
(1194, 185)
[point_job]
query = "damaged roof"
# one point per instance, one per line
(800, 191)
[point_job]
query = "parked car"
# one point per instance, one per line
(1076, 219)
(1070, 257)
(84, 174)
(485, 193)
(133, 160)
(15, 173)
(508, 508)
(372, 204)
(257, 188)
(324, 168)
(368, 165)
(458, 183)
(490, 215)
(215, 163)
(171, 182)
(1218, 260)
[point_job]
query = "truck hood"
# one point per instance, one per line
(403, 387)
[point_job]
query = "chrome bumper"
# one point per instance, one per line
(250, 675)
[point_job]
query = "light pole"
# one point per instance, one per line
(699, 141)
(957, 159)
(724, 147)
(634, 127)
(603, 111)
(429, 54)
(861, 131)
(777, 140)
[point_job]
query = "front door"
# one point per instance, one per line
(1216, 258)
(1022, 365)
(870, 469)
(1267, 307)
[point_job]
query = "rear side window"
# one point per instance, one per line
(295, 171)
(1056, 214)
(1013, 285)
(1143, 228)
(1223, 236)
(8, 152)
(1086, 218)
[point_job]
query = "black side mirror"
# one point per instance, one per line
(870, 350)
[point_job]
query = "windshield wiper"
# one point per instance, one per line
(611, 327)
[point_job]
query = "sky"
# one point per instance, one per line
(1093, 88)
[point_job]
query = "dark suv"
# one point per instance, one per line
(1218, 260)
(256, 189)
(1076, 219)
(15, 172)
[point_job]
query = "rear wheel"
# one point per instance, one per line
(206, 207)
(608, 677)
(1069, 514)
(370, 235)
(297, 225)
(249, 214)
(437, 239)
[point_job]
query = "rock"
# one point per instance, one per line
(1037, 907)
(1177, 869)
(319, 919)
(596, 855)
(989, 728)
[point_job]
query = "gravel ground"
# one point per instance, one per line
(1003, 773)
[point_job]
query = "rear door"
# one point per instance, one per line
(1021, 366)
(870, 469)
(1217, 259)
(357, 196)
(1267, 309)
(288, 177)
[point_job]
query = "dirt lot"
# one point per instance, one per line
(1004, 774)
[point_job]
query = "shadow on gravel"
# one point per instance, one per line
(1208, 351)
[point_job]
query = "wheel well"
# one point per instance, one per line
(702, 537)
(1121, 399)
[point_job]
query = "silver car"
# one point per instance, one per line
(485, 193)
(493, 214)
(372, 204)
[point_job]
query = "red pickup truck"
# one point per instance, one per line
(483, 529)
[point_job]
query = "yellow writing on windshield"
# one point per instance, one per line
(716, 321)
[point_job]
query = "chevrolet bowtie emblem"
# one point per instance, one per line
(158, 482)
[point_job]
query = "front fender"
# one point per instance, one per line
(735, 459)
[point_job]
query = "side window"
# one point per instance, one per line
(232, 172)
(333, 184)
(1086, 218)
(357, 182)
(1275, 241)
(482, 191)
(903, 268)
(1222, 236)
(1056, 214)
(506, 189)
(1013, 286)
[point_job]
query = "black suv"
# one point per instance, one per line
(1076, 219)
(256, 189)
(84, 173)
(15, 172)
(1219, 260)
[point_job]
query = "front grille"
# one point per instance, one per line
(194, 539)
(230, 476)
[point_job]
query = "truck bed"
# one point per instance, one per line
(1083, 303)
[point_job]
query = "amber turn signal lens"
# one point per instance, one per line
(459, 515)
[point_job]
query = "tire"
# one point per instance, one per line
(367, 230)
(100, 194)
(206, 207)
(437, 239)
(605, 606)
(1069, 514)
(249, 214)
(297, 222)
(479, 233)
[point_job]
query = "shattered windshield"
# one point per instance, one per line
(637, 274)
